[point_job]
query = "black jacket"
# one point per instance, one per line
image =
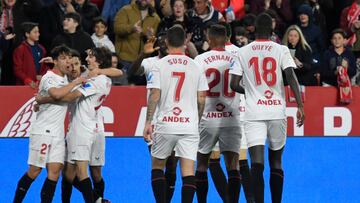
(305, 74)
(80, 41)
(51, 24)
(87, 12)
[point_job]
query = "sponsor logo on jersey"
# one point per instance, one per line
(219, 115)
(176, 119)
(149, 76)
(220, 107)
(268, 94)
(86, 85)
(269, 102)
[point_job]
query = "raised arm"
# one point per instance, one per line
(294, 85)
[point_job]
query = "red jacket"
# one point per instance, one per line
(24, 66)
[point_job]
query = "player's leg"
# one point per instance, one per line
(255, 132)
(54, 166)
(25, 182)
(97, 161)
(208, 142)
(186, 148)
(38, 155)
(218, 175)
(277, 139)
(244, 167)
(84, 180)
(68, 176)
(245, 175)
(229, 142)
(201, 176)
(162, 147)
(170, 176)
(49, 186)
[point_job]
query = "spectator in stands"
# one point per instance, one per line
(111, 7)
(249, 24)
(350, 22)
(281, 7)
(88, 11)
(240, 37)
(27, 67)
(134, 23)
(338, 55)
(14, 13)
(99, 37)
(204, 10)
(121, 80)
(274, 36)
(312, 33)
(318, 7)
(191, 24)
(163, 8)
(52, 22)
(73, 36)
(301, 53)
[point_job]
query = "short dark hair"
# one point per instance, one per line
(263, 24)
(241, 31)
(60, 50)
(75, 53)
(28, 26)
(227, 27)
(75, 16)
(339, 31)
(103, 56)
(101, 20)
(217, 31)
(249, 20)
(176, 36)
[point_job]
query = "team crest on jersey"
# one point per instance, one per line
(220, 107)
(176, 111)
(268, 94)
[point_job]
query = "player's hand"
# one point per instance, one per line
(300, 115)
(46, 60)
(38, 99)
(36, 107)
(148, 131)
(149, 46)
(137, 27)
(79, 80)
(33, 85)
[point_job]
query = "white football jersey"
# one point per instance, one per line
(233, 49)
(262, 62)
(50, 118)
(179, 79)
(85, 118)
(148, 64)
(222, 104)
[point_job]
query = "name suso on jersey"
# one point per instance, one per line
(222, 104)
(179, 79)
(262, 62)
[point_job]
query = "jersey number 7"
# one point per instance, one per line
(268, 70)
(181, 77)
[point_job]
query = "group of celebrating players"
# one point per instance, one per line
(196, 108)
(70, 86)
(195, 104)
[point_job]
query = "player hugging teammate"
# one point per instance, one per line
(177, 92)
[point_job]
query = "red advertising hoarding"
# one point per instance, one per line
(124, 112)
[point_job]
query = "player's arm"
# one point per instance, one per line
(235, 84)
(294, 85)
(72, 96)
(201, 96)
(58, 93)
(137, 68)
(44, 99)
(153, 100)
(110, 72)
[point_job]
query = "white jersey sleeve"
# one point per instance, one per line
(88, 89)
(286, 59)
